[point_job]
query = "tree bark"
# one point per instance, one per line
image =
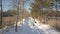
(1, 15)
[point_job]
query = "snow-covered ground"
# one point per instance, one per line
(28, 26)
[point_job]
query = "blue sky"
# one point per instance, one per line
(27, 6)
(6, 4)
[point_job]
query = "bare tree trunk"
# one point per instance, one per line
(56, 13)
(1, 15)
(17, 14)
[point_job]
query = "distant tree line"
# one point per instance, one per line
(8, 13)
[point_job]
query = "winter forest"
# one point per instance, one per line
(29, 16)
